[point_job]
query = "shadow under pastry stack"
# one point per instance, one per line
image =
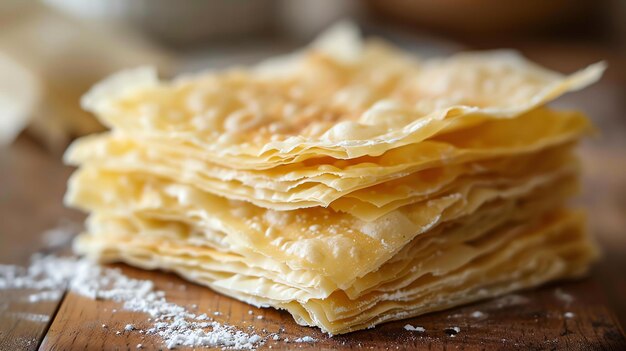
(348, 183)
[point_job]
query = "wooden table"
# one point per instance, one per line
(32, 184)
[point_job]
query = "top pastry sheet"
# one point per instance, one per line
(341, 98)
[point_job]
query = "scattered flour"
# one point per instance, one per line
(172, 322)
(33, 317)
(44, 273)
(563, 296)
(477, 314)
(62, 235)
(46, 295)
(452, 331)
(511, 300)
(305, 339)
(414, 328)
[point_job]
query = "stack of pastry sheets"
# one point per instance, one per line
(348, 183)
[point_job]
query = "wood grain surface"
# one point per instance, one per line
(530, 320)
(32, 183)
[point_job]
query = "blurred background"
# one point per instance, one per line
(52, 51)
